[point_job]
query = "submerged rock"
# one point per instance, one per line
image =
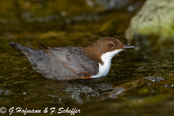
(5, 92)
(154, 78)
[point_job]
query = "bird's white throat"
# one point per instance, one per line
(105, 67)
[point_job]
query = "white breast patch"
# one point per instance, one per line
(106, 59)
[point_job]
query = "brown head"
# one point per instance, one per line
(103, 45)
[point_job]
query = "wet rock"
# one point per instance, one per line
(105, 5)
(169, 86)
(156, 17)
(80, 93)
(154, 78)
(116, 92)
(103, 87)
(5, 92)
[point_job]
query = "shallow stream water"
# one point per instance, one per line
(137, 84)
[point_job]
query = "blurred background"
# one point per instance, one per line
(140, 82)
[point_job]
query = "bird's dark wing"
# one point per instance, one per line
(74, 59)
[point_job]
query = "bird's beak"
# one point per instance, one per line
(128, 47)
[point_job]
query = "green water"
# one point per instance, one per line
(139, 82)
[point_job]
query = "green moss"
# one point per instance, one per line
(155, 18)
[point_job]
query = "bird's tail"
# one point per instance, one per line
(26, 50)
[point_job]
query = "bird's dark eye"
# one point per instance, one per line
(111, 45)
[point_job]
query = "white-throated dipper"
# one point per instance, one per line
(66, 63)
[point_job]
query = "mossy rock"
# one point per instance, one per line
(156, 17)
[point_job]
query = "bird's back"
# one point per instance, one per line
(65, 64)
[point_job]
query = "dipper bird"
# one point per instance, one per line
(66, 63)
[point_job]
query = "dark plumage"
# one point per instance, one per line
(63, 63)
